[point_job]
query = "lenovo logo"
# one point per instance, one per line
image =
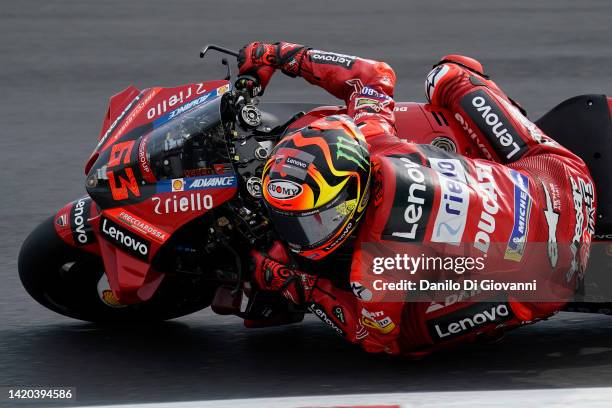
(469, 319)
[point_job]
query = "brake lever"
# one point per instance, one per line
(228, 76)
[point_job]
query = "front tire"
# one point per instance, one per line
(64, 279)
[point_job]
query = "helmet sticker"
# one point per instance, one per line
(347, 207)
(351, 150)
(284, 189)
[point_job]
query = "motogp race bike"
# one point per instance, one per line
(173, 204)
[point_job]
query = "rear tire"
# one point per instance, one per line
(64, 279)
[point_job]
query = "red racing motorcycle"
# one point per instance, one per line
(174, 200)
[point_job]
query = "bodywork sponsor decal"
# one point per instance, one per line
(165, 115)
(150, 94)
(124, 239)
(200, 171)
(119, 118)
(106, 294)
(138, 224)
(196, 183)
(62, 220)
(121, 179)
(143, 160)
(223, 168)
(190, 202)
(81, 230)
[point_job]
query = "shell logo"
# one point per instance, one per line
(178, 185)
(222, 89)
(106, 294)
(109, 298)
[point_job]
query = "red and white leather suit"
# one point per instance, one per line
(528, 190)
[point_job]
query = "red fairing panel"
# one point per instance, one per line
(132, 280)
(142, 202)
(72, 224)
(116, 105)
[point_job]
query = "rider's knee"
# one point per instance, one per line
(454, 71)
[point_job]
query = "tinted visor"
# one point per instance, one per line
(309, 229)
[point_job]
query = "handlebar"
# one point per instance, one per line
(247, 84)
(217, 48)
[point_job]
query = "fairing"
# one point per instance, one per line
(159, 164)
(150, 174)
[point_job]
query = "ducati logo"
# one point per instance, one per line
(284, 189)
(61, 220)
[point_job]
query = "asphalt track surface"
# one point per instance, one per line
(61, 60)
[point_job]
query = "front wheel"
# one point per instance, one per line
(65, 279)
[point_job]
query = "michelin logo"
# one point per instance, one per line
(522, 212)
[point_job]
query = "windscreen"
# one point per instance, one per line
(189, 144)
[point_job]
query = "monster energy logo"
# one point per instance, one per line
(351, 150)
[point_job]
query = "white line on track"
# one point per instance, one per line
(557, 398)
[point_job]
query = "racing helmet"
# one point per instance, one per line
(316, 185)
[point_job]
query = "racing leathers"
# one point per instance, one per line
(427, 202)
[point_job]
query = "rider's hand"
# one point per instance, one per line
(256, 64)
(272, 275)
(277, 254)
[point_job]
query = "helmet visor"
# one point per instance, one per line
(312, 228)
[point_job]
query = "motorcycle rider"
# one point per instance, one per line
(350, 175)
